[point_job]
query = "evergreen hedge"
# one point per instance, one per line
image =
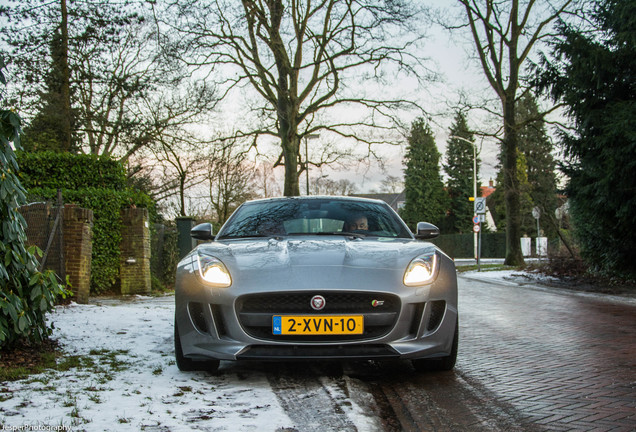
(493, 245)
(94, 182)
(55, 170)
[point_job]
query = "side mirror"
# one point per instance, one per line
(202, 231)
(426, 230)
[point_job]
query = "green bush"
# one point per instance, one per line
(106, 205)
(54, 170)
(26, 294)
(94, 182)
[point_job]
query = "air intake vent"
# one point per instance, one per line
(198, 319)
(219, 322)
(417, 318)
(438, 308)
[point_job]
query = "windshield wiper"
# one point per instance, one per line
(227, 237)
(339, 233)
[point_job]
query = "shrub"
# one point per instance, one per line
(26, 294)
(54, 170)
(493, 245)
(106, 205)
(94, 182)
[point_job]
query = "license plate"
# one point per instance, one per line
(317, 325)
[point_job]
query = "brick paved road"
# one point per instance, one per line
(564, 362)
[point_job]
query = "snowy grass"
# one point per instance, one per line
(118, 373)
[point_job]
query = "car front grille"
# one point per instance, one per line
(255, 312)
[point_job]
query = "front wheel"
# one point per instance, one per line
(446, 363)
(185, 364)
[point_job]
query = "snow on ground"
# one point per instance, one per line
(536, 280)
(126, 379)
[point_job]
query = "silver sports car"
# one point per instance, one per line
(316, 278)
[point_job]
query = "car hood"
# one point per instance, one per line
(316, 263)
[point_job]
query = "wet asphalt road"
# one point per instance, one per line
(529, 360)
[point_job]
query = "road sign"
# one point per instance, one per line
(480, 205)
(476, 228)
(476, 219)
(536, 212)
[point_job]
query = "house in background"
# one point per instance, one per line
(395, 200)
(487, 190)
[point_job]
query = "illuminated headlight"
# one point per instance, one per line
(422, 270)
(213, 271)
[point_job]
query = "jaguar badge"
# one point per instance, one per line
(318, 302)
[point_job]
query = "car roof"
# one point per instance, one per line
(318, 197)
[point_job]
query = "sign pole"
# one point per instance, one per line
(480, 211)
(479, 252)
(536, 213)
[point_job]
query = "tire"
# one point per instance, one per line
(446, 363)
(187, 365)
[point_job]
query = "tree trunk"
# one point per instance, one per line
(290, 152)
(514, 256)
(66, 79)
(288, 131)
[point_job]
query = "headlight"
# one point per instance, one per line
(213, 271)
(422, 270)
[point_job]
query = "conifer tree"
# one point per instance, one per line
(459, 168)
(498, 209)
(426, 200)
(593, 74)
(535, 144)
(52, 127)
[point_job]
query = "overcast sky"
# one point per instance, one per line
(449, 55)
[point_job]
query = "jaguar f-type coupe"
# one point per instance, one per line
(316, 278)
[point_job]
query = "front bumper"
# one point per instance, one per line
(236, 323)
(212, 331)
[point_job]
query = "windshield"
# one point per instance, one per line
(313, 216)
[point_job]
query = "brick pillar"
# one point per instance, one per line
(78, 248)
(134, 268)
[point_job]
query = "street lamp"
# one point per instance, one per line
(307, 138)
(474, 179)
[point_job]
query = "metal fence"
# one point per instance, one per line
(44, 220)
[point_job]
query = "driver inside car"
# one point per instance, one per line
(356, 222)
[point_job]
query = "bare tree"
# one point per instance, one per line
(122, 92)
(129, 96)
(230, 180)
(182, 166)
(323, 185)
(505, 33)
(302, 58)
(265, 182)
(392, 184)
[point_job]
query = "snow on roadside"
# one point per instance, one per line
(536, 280)
(127, 379)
